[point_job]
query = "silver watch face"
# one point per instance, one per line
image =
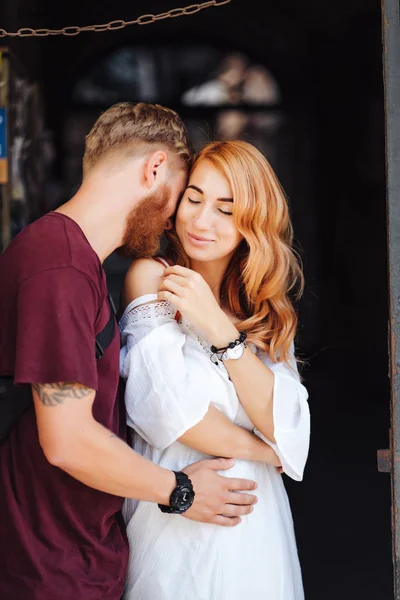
(235, 353)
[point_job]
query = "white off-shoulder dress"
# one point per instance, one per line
(170, 383)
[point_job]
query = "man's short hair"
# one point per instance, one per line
(130, 127)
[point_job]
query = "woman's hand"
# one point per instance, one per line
(264, 453)
(188, 292)
(270, 457)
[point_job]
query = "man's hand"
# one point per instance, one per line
(219, 500)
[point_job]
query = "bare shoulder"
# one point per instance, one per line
(142, 277)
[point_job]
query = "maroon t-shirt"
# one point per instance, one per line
(59, 539)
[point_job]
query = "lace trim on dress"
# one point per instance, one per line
(163, 312)
(203, 342)
(145, 312)
(197, 335)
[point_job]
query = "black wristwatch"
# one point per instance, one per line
(182, 496)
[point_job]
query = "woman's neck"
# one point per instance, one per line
(212, 273)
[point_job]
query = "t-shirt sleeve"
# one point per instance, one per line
(56, 315)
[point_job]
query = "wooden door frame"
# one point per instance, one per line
(389, 460)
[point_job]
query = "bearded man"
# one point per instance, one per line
(65, 467)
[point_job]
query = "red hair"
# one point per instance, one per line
(265, 270)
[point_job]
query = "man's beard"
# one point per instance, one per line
(145, 225)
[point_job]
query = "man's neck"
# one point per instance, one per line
(104, 231)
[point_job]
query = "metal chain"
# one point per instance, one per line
(113, 25)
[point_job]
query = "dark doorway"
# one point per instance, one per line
(322, 126)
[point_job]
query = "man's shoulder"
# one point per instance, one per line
(51, 242)
(44, 240)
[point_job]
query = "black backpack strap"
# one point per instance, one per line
(105, 337)
(14, 401)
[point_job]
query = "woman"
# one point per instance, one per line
(232, 270)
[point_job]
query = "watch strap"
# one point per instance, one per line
(182, 480)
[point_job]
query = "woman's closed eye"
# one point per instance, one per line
(224, 212)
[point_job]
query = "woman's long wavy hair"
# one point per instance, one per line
(264, 276)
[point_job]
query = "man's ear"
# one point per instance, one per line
(154, 168)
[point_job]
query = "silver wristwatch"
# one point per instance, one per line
(233, 353)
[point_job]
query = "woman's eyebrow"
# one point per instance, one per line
(197, 189)
(194, 187)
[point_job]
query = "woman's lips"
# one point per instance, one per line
(197, 240)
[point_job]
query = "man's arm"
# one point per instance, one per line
(72, 440)
(75, 442)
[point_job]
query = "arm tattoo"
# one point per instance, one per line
(52, 394)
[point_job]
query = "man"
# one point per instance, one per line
(65, 468)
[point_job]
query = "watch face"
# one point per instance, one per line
(182, 498)
(235, 352)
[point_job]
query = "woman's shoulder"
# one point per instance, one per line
(144, 267)
(142, 277)
(141, 286)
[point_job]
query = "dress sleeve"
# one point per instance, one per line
(291, 416)
(164, 392)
